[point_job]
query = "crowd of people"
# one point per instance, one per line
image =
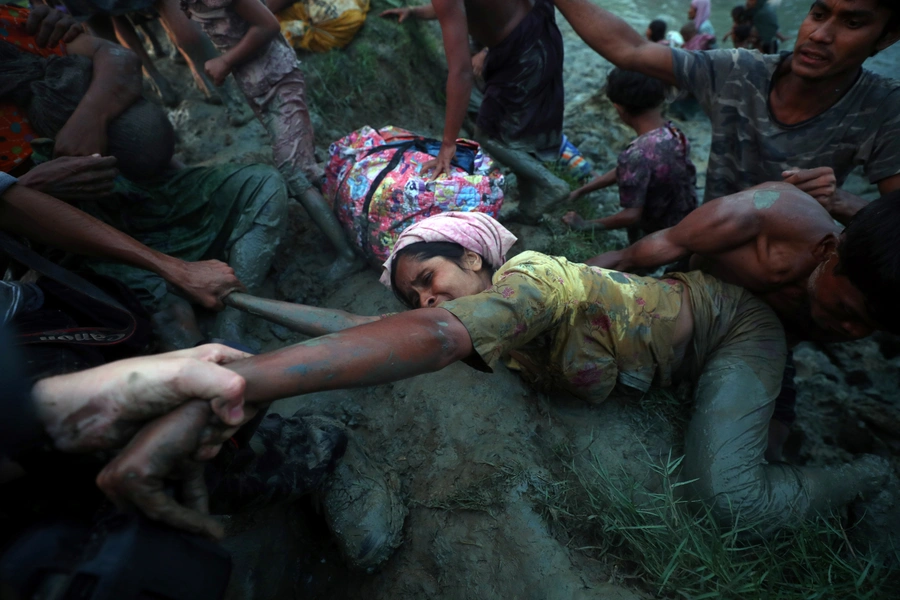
(755, 266)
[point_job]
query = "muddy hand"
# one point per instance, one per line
(50, 27)
(162, 453)
(205, 282)
(217, 69)
(73, 177)
(102, 407)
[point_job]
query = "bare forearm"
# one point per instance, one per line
(401, 346)
(115, 82)
(459, 88)
(45, 219)
(623, 218)
(253, 41)
(308, 320)
(425, 12)
(615, 40)
(847, 205)
(598, 183)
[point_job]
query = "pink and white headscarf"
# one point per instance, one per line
(473, 231)
(703, 9)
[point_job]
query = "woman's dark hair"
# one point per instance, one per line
(421, 251)
(869, 256)
(634, 91)
(657, 30)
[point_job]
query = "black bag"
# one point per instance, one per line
(81, 324)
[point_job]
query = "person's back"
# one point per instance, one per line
(656, 178)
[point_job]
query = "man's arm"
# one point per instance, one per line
(263, 29)
(821, 184)
(717, 226)
(455, 30)
(45, 219)
(616, 41)
(115, 85)
(308, 320)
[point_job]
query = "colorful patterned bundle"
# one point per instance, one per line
(374, 184)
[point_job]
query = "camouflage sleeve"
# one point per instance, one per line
(632, 177)
(703, 73)
(884, 159)
(527, 299)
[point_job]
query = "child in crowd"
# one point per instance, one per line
(746, 36)
(656, 32)
(694, 40)
(656, 178)
(268, 73)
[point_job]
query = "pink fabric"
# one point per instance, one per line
(473, 231)
(700, 41)
(703, 9)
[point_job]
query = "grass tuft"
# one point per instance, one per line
(676, 549)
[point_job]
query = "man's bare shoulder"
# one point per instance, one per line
(781, 208)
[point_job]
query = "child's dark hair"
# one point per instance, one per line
(421, 251)
(739, 14)
(742, 33)
(634, 91)
(869, 256)
(657, 30)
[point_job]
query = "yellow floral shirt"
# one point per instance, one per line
(573, 326)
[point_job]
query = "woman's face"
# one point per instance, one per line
(692, 11)
(429, 283)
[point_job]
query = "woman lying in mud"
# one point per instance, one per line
(577, 328)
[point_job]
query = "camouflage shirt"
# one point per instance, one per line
(749, 146)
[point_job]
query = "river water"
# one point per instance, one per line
(594, 127)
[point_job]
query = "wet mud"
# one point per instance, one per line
(475, 452)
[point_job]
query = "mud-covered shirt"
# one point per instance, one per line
(575, 327)
(749, 146)
(655, 173)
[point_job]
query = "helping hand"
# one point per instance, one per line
(73, 178)
(102, 407)
(217, 69)
(160, 453)
(820, 183)
(50, 27)
(478, 61)
(205, 282)
(441, 164)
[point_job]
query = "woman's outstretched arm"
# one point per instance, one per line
(308, 320)
(401, 346)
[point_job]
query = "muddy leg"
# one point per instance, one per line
(727, 438)
(175, 324)
(539, 189)
(251, 254)
(284, 113)
(128, 37)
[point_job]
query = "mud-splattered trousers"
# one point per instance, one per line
(587, 330)
(231, 213)
(275, 89)
(737, 363)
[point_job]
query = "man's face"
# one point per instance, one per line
(837, 36)
(836, 305)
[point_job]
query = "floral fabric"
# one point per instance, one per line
(583, 329)
(655, 172)
(403, 197)
(16, 133)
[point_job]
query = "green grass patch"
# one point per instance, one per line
(676, 549)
